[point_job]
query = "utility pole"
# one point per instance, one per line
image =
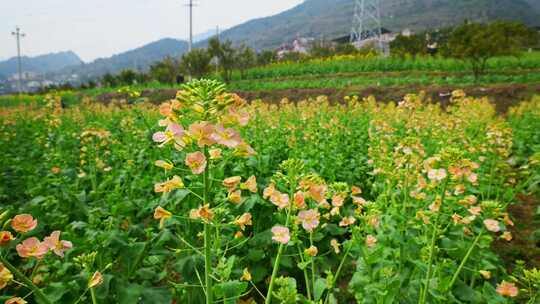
(18, 35)
(190, 5)
(217, 59)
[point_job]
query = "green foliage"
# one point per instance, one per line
(196, 63)
(413, 45)
(266, 57)
(477, 43)
(165, 71)
(321, 49)
(226, 55)
(286, 291)
(89, 172)
(370, 63)
(245, 59)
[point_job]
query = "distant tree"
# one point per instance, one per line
(226, 55)
(142, 77)
(109, 80)
(66, 87)
(535, 39)
(294, 56)
(127, 77)
(196, 63)
(245, 59)
(266, 57)
(321, 49)
(165, 71)
(477, 43)
(412, 45)
(91, 84)
(440, 37)
(346, 49)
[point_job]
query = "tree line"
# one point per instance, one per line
(221, 58)
(474, 43)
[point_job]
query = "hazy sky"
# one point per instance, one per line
(101, 28)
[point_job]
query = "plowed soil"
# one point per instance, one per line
(502, 95)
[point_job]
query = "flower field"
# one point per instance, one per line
(210, 199)
(363, 63)
(340, 72)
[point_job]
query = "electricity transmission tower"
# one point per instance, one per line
(18, 35)
(367, 23)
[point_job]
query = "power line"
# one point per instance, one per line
(18, 36)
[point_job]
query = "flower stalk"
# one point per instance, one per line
(25, 280)
(278, 258)
(464, 260)
(306, 276)
(312, 265)
(434, 235)
(207, 236)
(338, 272)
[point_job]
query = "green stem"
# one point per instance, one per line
(430, 260)
(207, 263)
(274, 273)
(338, 272)
(403, 228)
(313, 270)
(491, 175)
(462, 264)
(93, 294)
(25, 280)
(306, 277)
(207, 238)
(432, 247)
(35, 269)
(80, 298)
(280, 251)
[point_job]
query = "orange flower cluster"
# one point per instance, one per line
(209, 120)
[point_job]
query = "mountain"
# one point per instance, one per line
(40, 64)
(333, 18)
(137, 59)
(534, 3)
(203, 36)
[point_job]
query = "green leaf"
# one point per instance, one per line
(255, 255)
(303, 265)
(129, 293)
(37, 200)
(259, 273)
(332, 299)
(102, 291)
(465, 293)
(132, 256)
(55, 291)
(228, 267)
(156, 295)
(186, 267)
(230, 291)
(320, 287)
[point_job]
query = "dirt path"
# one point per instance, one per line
(503, 95)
